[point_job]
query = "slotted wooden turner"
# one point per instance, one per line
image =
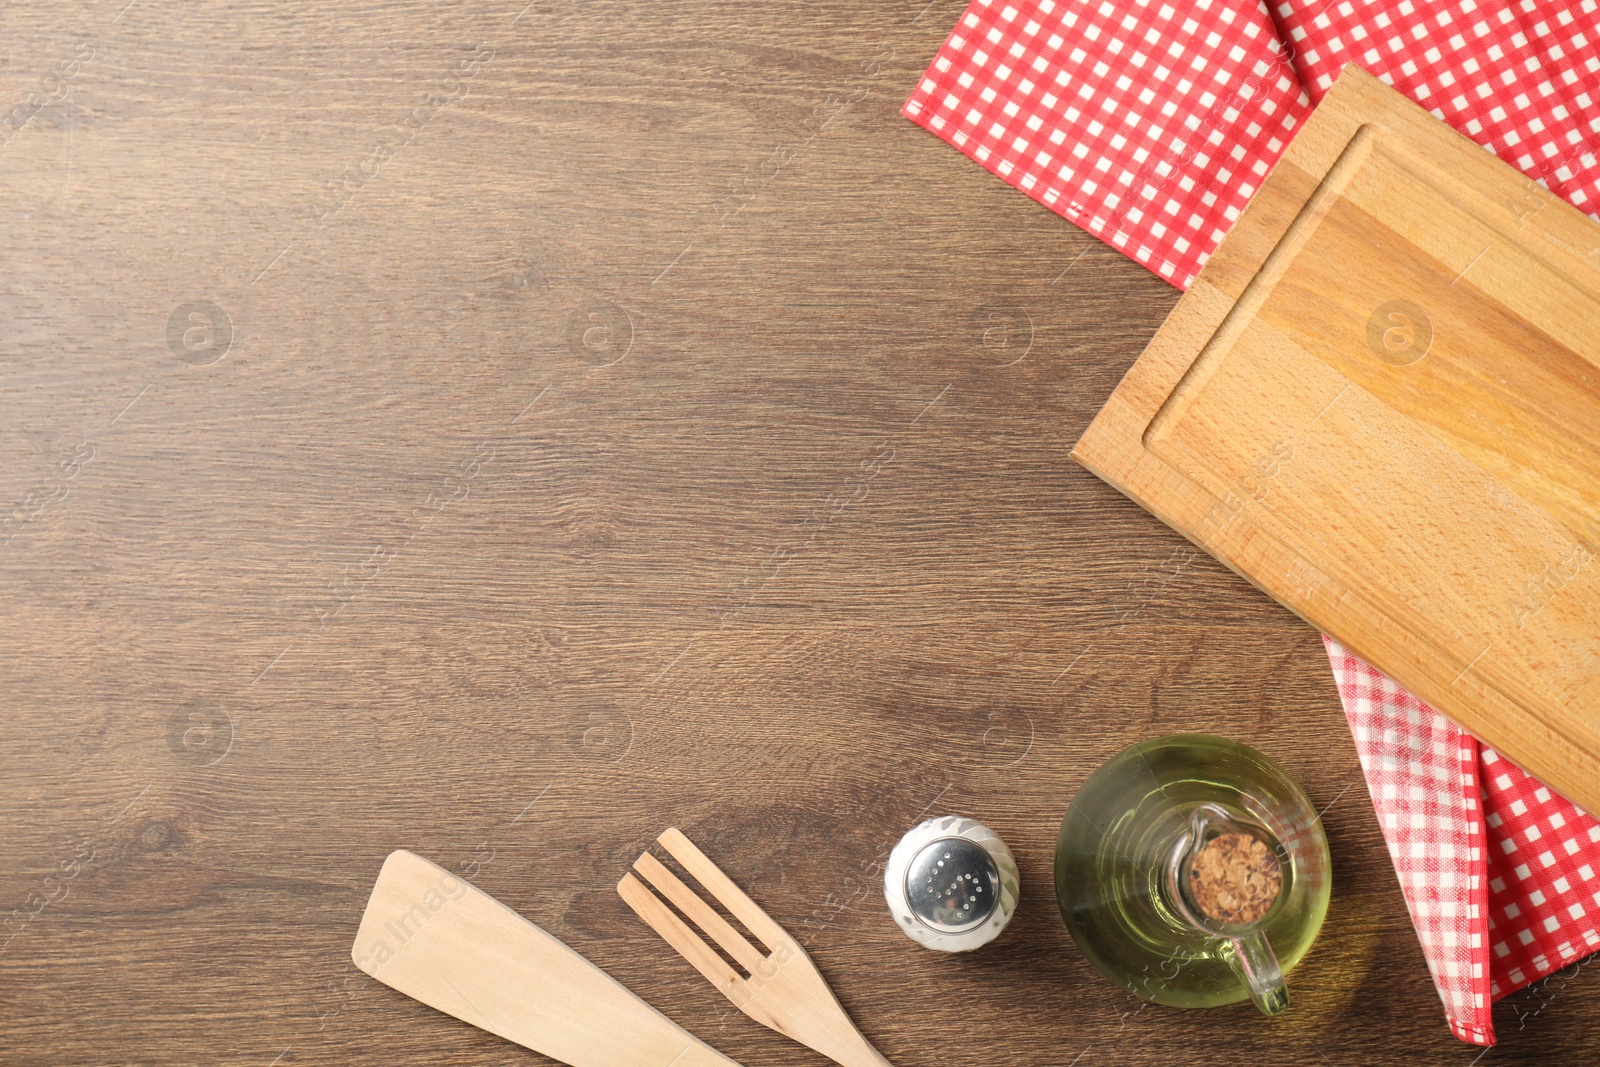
(784, 991)
(436, 939)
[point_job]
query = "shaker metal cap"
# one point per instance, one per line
(951, 884)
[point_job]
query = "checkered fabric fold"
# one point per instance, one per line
(1150, 125)
(1498, 871)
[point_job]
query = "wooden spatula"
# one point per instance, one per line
(435, 938)
(783, 991)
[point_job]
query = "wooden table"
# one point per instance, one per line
(504, 432)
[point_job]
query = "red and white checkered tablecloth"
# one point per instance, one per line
(1150, 125)
(1498, 871)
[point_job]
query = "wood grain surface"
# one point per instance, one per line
(1377, 402)
(503, 432)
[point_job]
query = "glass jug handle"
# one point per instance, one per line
(1253, 960)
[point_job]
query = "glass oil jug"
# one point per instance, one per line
(1192, 871)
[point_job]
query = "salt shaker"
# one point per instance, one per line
(951, 884)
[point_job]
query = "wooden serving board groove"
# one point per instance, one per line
(1380, 403)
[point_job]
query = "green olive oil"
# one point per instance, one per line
(1118, 840)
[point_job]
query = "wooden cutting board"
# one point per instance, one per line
(1380, 403)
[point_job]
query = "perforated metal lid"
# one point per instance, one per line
(952, 885)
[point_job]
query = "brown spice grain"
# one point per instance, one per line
(1234, 879)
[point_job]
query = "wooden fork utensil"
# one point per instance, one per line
(781, 988)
